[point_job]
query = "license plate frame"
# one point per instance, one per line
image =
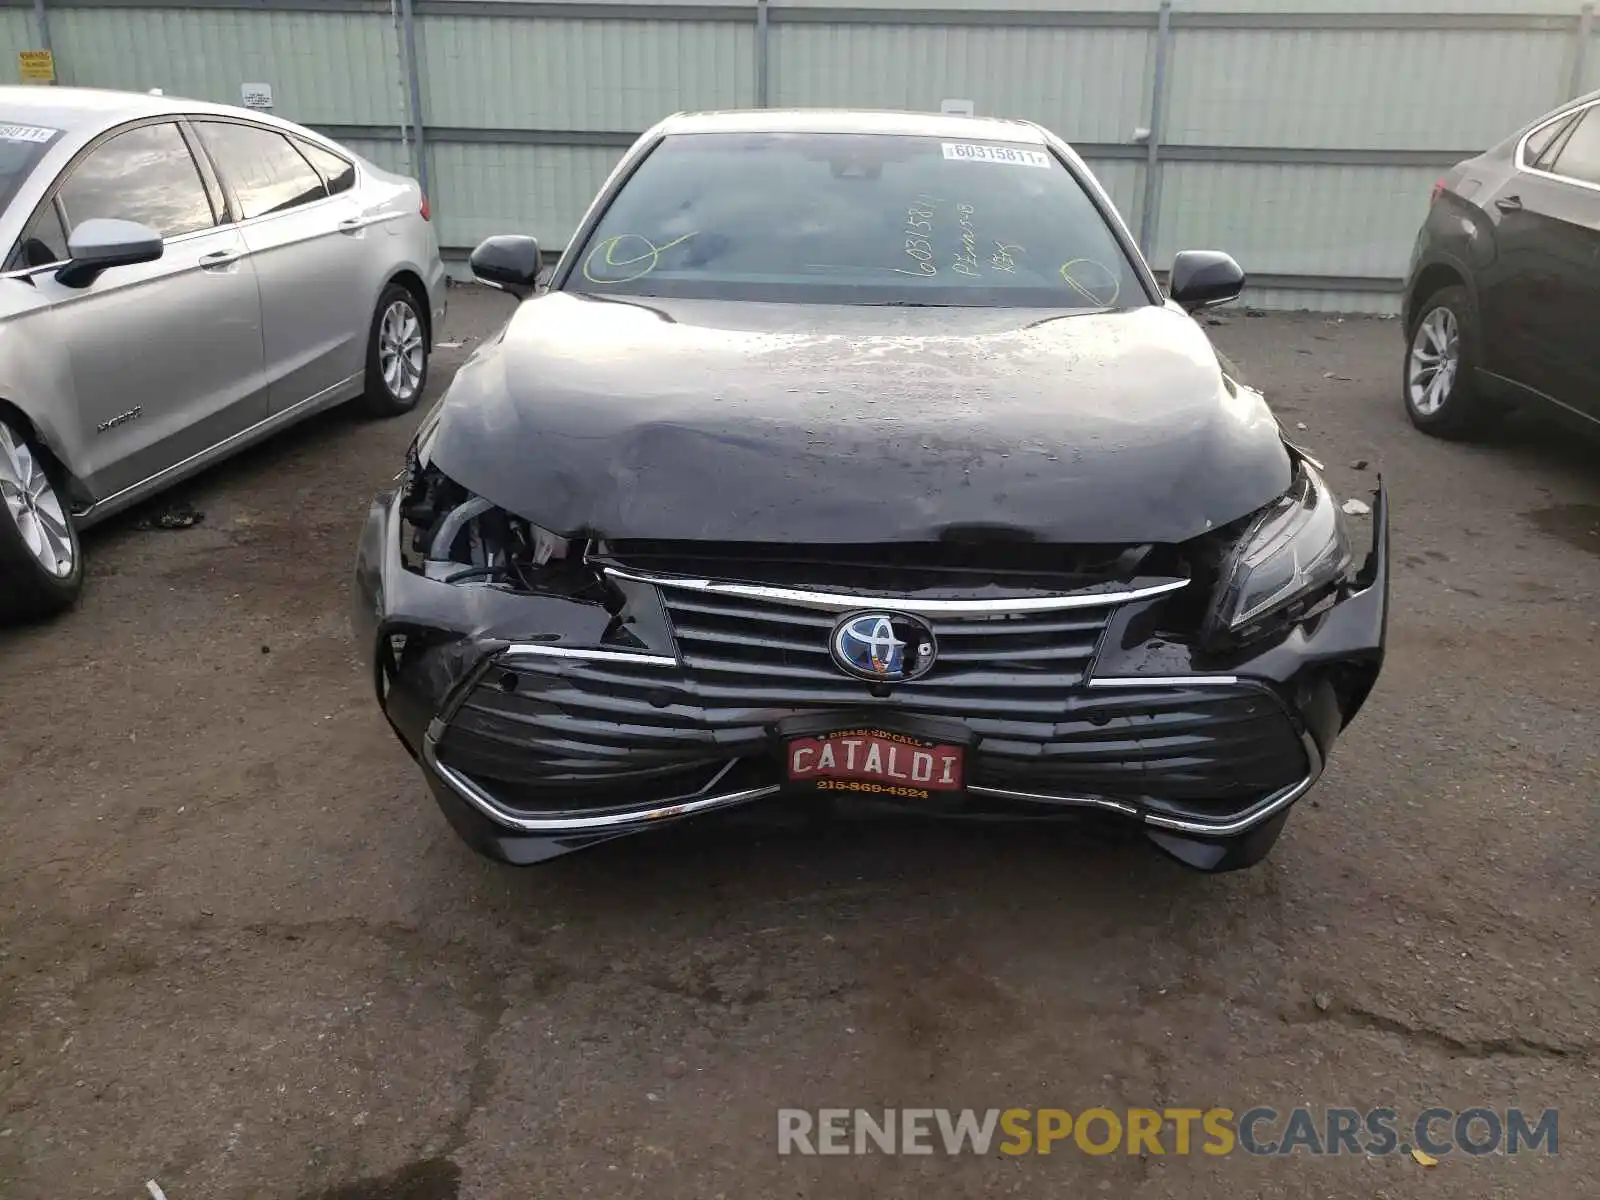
(874, 758)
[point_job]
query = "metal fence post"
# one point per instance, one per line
(1150, 208)
(408, 22)
(401, 74)
(761, 53)
(1581, 51)
(41, 24)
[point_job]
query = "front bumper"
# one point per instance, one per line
(540, 733)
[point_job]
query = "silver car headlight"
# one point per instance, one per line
(1290, 559)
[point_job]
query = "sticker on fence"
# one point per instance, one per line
(256, 95)
(966, 152)
(36, 66)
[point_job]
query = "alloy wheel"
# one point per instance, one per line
(33, 505)
(1435, 361)
(400, 350)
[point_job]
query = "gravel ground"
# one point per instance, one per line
(241, 953)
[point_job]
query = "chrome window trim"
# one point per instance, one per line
(199, 119)
(683, 806)
(181, 238)
(535, 650)
(261, 219)
(29, 272)
(841, 602)
(1520, 166)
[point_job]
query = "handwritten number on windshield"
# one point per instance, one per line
(619, 253)
(919, 226)
(967, 257)
(1004, 257)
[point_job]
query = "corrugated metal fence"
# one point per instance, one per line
(1303, 141)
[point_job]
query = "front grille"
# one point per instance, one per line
(588, 733)
(999, 664)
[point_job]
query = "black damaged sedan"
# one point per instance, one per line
(852, 460)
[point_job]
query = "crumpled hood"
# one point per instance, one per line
(695, 419)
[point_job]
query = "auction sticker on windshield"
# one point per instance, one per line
(875, 760)
(26, 133)
(967, 152)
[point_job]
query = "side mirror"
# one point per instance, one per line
(1204, 279)
(102, 242)
(510, 262)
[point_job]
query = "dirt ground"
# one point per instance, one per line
(242, 955)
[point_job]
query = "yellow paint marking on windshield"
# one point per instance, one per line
(650, 258)
(1093, 291)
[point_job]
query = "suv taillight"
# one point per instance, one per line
(423, 208)
(1438, 190)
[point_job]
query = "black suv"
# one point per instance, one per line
(1503, 298)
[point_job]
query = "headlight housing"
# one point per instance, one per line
(1290, 558)
(454, 536)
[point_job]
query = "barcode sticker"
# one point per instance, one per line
(26, 133)
(967, 152)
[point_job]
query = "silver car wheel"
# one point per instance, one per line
(1435, 360)
(400, 350)
(34, 507)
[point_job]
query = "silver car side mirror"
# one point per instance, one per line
(103, 242)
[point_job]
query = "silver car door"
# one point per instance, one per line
(166, 356)
(313, 254)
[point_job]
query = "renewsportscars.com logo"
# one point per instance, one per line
(1433, 1133)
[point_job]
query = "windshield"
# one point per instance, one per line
(21, 146)
(856, 219)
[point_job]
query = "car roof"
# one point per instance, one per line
(75, 109)
(842, 120)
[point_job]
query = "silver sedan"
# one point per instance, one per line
(182, 279)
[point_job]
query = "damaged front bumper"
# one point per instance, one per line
(545, 724)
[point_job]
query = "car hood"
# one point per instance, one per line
(710, 420)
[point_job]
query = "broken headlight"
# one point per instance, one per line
(455, 536)
(1289, 561)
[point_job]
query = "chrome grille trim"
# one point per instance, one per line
(1027, 660)
(1196, 826)
(523, 650)
(836, 602)
(579, 823)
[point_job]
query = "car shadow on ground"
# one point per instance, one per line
(728, 869)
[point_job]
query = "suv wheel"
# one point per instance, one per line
(41, 564)
(1441, 393)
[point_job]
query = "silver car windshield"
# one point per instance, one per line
(857, 219)
(22, 145)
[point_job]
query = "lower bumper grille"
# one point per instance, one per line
(1190, 745)
(589, 733)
